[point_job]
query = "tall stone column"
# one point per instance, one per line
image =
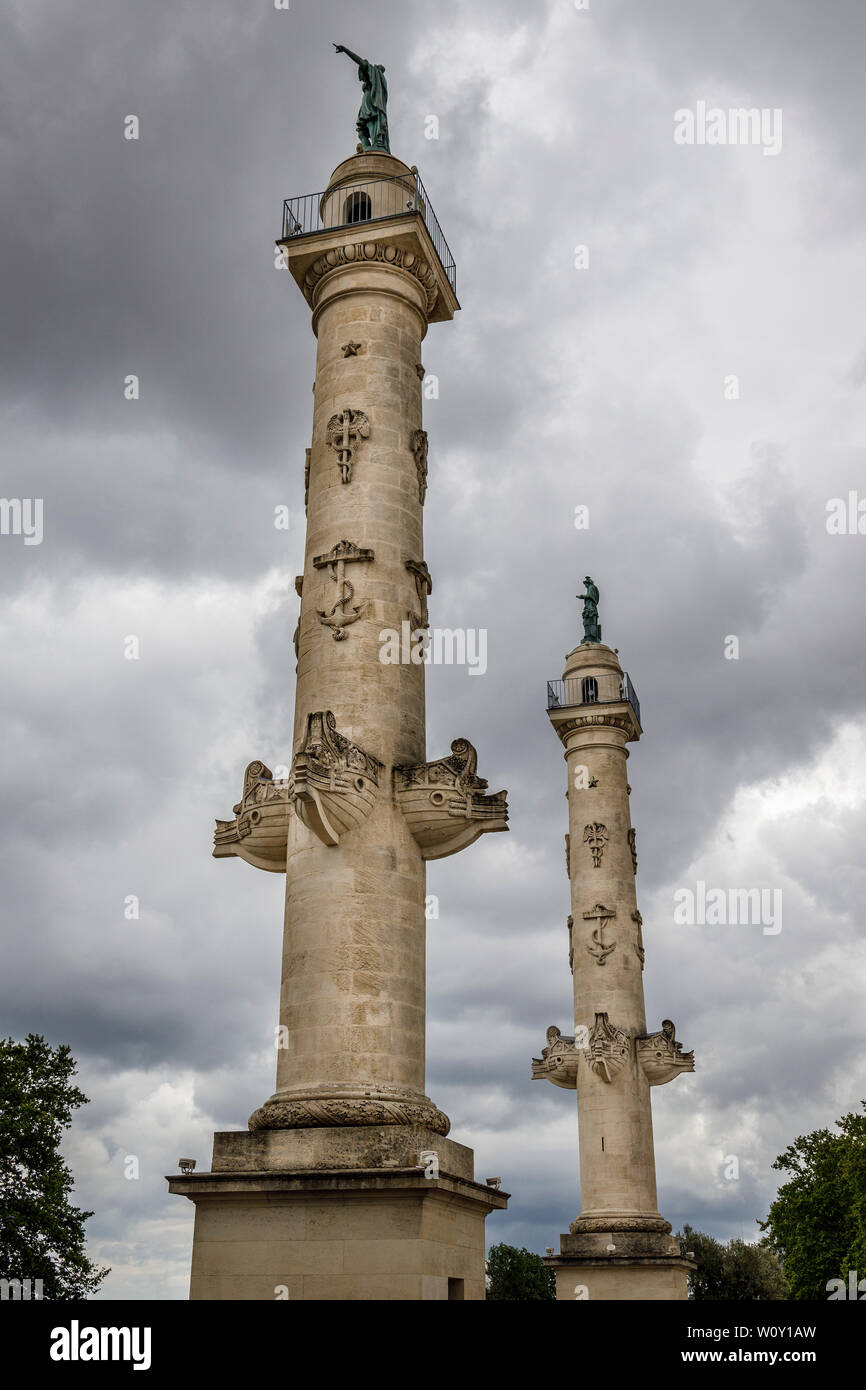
(619, 1246)
(353, 998)
(346, 1185)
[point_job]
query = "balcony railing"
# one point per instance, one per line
(570, 693)
(375, 201)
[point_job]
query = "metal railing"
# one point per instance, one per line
(357, 203)
(566, 694)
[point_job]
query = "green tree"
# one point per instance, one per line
(519, 1275)
(41, 1233)
(817, 1224)
(734, 1271)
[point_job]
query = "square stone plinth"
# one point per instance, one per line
(391, 1230)
(650, 1278)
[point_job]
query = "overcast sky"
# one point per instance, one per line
(559, 387)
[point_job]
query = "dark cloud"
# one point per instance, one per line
(558, 387)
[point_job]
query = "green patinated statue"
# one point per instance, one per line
(591, 625)
(372, 122)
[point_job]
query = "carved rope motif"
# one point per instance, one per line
(328, 1113)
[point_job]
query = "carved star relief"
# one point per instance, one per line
(351, 349)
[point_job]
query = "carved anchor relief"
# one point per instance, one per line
(299, 590)
(599, 951)
(632, 844)
(423, 588)
(419, 450)
(638, 945)
(595, 835)
(342, 614)
(343, 434)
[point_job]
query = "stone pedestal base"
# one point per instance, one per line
(661, 1278)
(338, 1214)
(643, 1263)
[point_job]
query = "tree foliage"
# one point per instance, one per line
(519, 1275)
(41, 1232)
(734, 1271)
(817, 1223)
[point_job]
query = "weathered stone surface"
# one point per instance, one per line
(619, 1246)
(326, 1196)
(361, 1147)
(352, 1234)
(633, 1278)
(260, 827)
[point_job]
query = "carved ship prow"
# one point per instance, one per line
(445, 804)
(334, 782)
(558, 1061)
(260, 828)
(662, 1057)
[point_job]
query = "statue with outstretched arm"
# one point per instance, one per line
(372, 122)
(591, 625)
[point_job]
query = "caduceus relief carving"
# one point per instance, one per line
(343, 435)
(343, 612)
(595, 835)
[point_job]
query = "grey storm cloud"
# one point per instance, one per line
(557, 388)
